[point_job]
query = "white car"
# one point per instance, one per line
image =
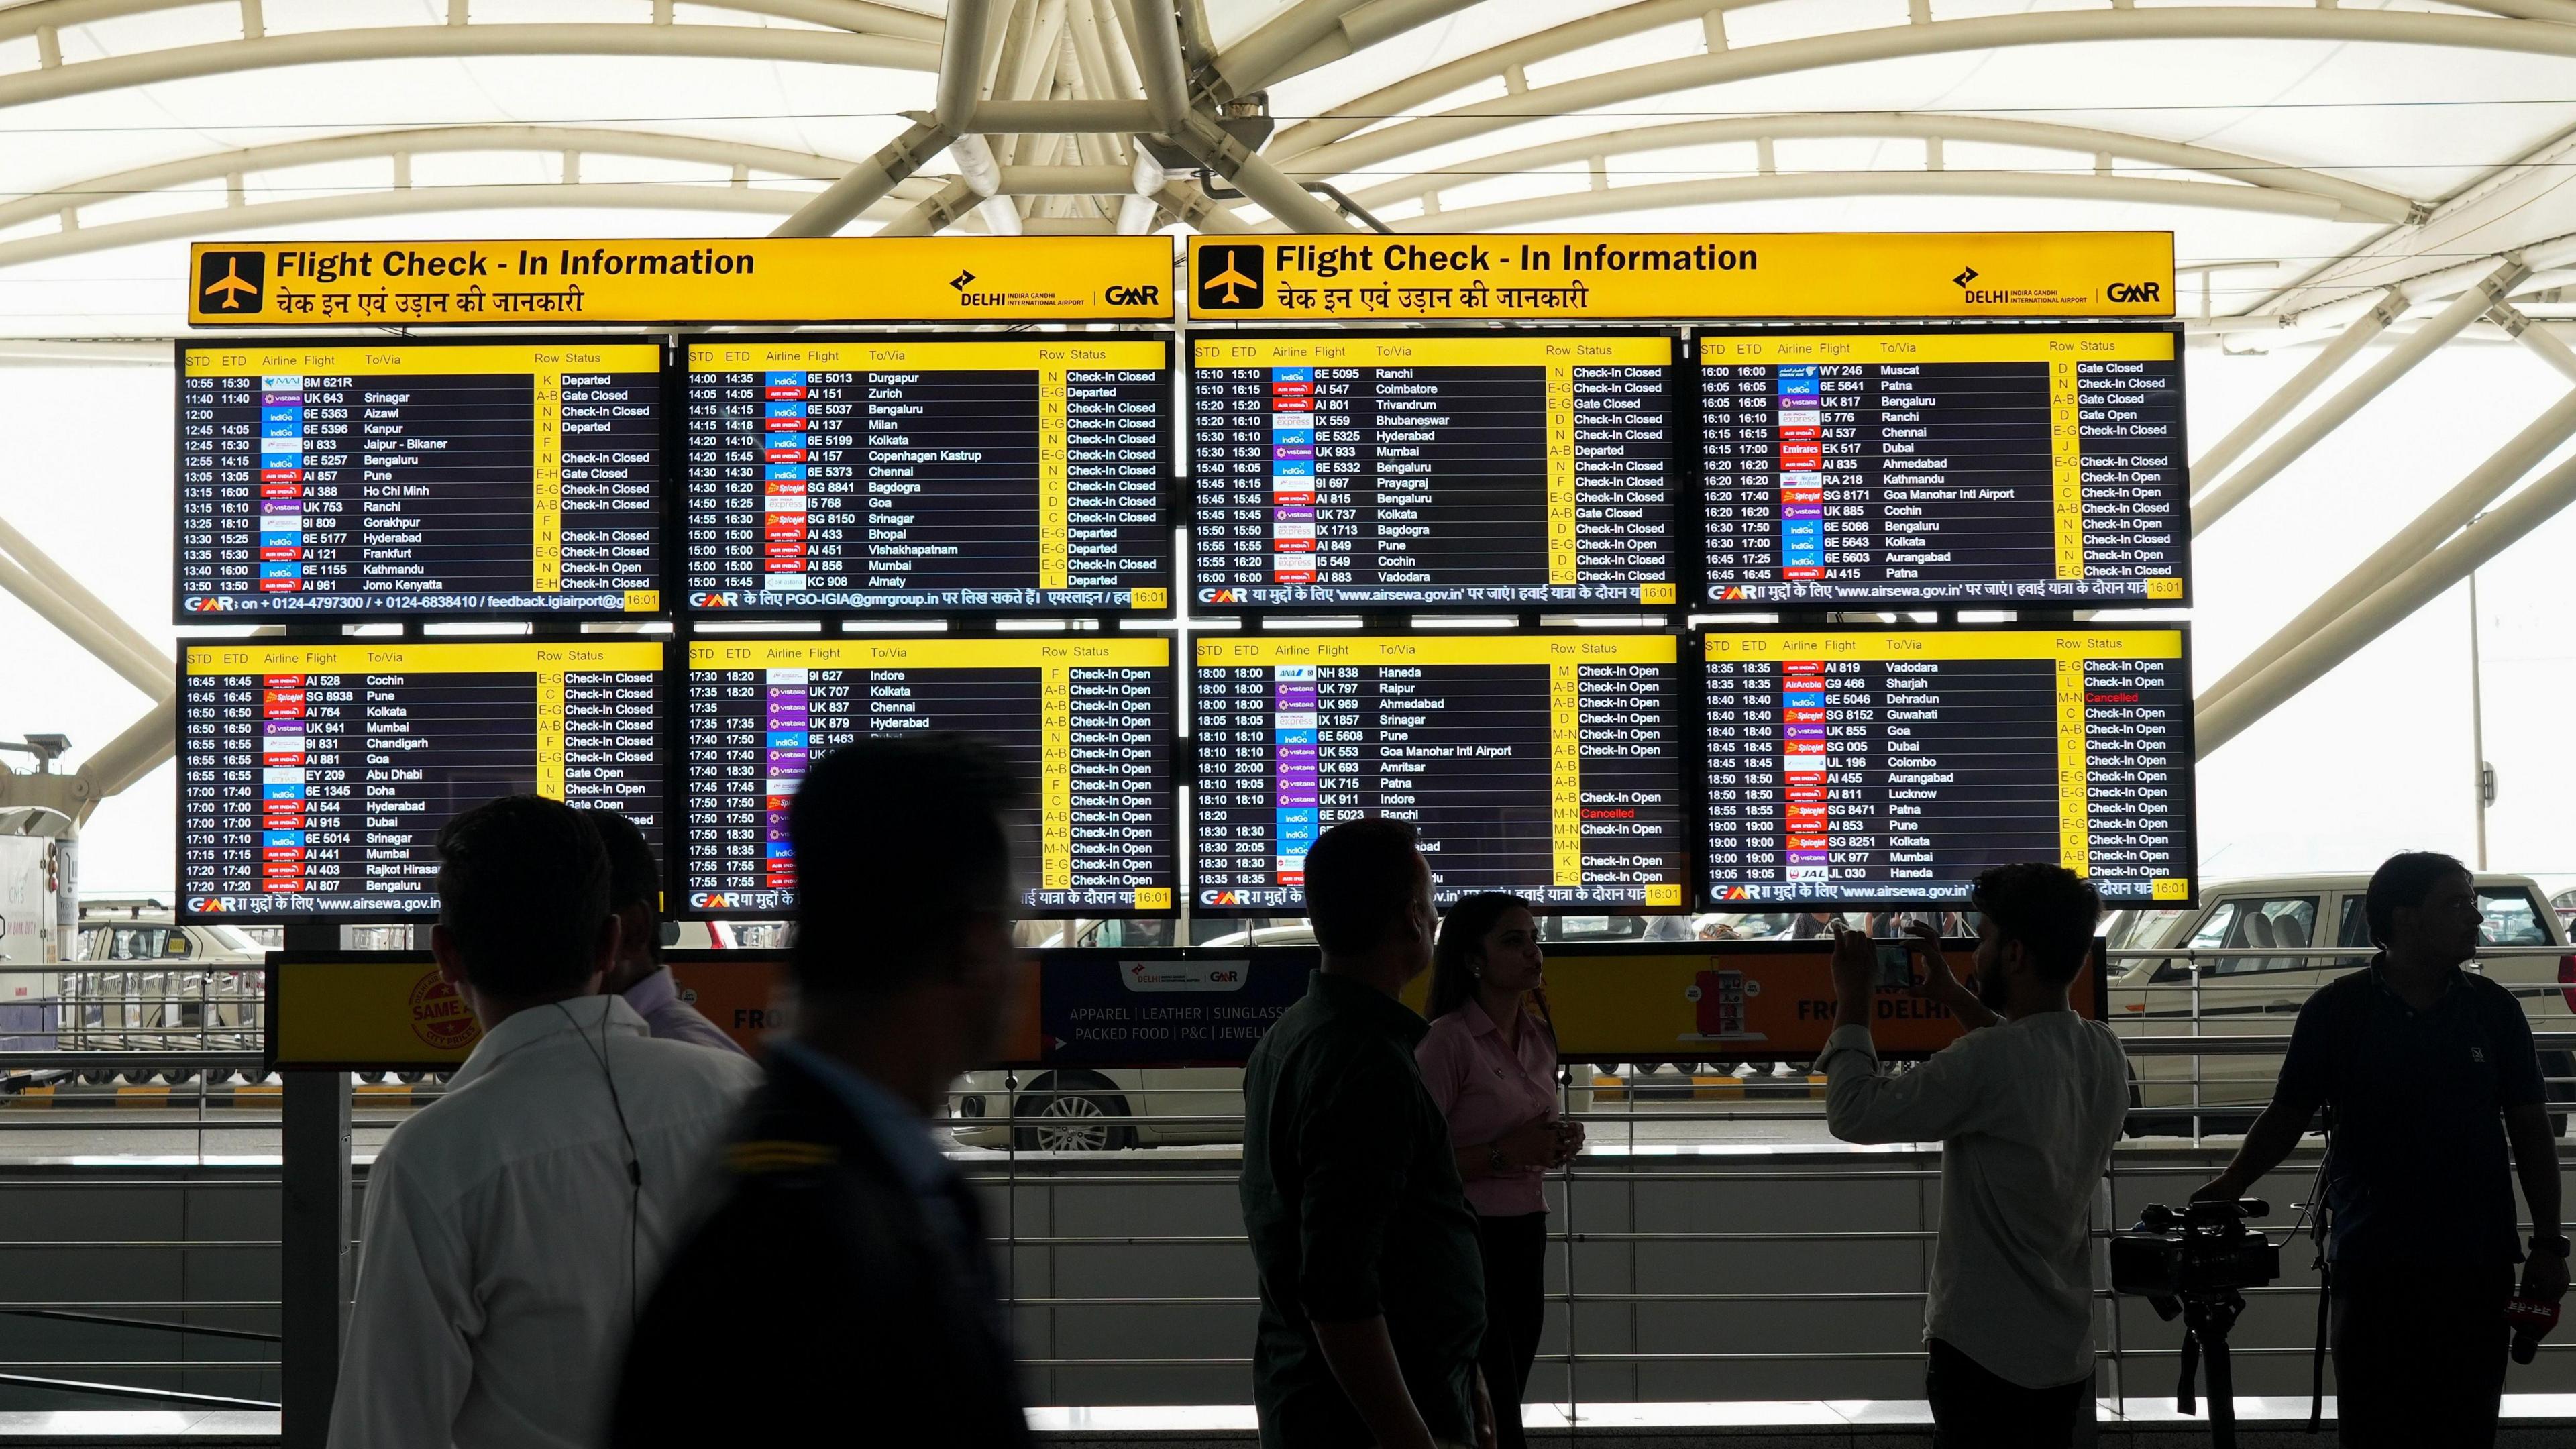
(2260, 995)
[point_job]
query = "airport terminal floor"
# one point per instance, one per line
(1730, 475)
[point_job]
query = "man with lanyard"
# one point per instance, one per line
(2429, 1071)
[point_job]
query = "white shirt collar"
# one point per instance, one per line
(587, 1015)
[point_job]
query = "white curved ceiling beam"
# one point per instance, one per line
(859, 16)
(410, 201)
(1624, 200)
(385, 145)
(415, 42)
(1891, 42)
(2362, 202)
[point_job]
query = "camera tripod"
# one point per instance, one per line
(2206, 1318)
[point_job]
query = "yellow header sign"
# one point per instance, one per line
(1683, 276)
(752, 279)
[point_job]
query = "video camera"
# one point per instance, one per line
(2195, 1264)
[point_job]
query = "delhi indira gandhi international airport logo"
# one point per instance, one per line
(231, 281)
(1229, 279)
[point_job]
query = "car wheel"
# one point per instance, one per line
(1055, 1119)
(179, 1077)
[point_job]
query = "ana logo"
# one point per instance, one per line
(1144, 296)
(1229, 279)
(2135, 291)
(231, 281)
(1184, 975)
(439, 1016)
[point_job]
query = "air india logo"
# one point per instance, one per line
(439, 1016)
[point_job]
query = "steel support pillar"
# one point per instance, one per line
(2307, 432)
(2548, 346)
(2484, 484)
(150, 672)
(314, 1235)
(2267, 415)
(867, 183)
(934, 212)
(2490, 534)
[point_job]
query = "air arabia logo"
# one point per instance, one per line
(439, 1016)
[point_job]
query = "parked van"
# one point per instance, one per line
(2316, 925)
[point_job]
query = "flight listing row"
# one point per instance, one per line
(1589, 771)
(1515, 469)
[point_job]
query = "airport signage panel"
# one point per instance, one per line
(1629, 276)
(568, 281)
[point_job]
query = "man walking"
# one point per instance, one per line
(2429, 1072)
(514, 1225)
(1372, 1291)
(2026, 1108)
(847, 1273)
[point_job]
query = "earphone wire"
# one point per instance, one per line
(634, 1164)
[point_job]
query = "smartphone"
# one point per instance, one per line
(1895, 967)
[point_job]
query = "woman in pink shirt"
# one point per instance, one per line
(1491, 1065)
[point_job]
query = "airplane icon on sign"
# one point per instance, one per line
(231, 286)
(1229, 279)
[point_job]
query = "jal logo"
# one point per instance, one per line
(1144, 296)
(1184, 975)
(2135, 291)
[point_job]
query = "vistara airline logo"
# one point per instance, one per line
(1229, 279)
(230, 282)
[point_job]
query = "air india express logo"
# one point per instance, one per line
(1229, 279)
(230, 282)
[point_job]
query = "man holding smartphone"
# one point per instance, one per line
(2026, 1107)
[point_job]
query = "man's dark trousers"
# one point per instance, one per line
(2419, 1355)
(1975, 1408)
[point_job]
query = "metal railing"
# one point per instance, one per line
(1613, 1318)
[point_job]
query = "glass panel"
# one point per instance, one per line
(2512, 918)
(2285, 921)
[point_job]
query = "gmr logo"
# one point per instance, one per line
(1145, 296)
(2135, 292)
(711, 601)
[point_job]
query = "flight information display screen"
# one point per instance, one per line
(898, 474)
(1889, 767)
(400, 478)
(1547, 765)
(1944, 466)
(1088, 723)
(1422, 469)
(313, 780)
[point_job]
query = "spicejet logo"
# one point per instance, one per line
(231, 281)
(1229, 279)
